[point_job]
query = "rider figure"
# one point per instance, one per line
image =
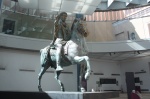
(61, 36)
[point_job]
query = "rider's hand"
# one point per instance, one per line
(52, 45)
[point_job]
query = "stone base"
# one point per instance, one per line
(57, 95)
(80, 95)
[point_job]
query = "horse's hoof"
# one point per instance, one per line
(62, 89)
(40, 89)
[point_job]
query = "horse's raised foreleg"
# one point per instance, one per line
(88, 71)
(57, 73)
(84, 74)
(42, 71)
(79, 59)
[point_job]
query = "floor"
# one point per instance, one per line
(124, 96)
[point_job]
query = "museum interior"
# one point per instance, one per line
(117, 44)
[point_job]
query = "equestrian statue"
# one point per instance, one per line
(67, 48)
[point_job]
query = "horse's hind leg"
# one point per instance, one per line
(82, 80)
(42, 71)
(57, 73)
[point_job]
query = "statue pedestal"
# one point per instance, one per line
(57, 95)
(82, 95)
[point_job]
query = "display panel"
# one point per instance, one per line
(108, 81)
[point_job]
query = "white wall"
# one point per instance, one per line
(136, 65)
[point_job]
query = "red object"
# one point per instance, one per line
(138, 88)
(134, 96)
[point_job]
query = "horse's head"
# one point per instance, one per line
(78, 33)
(80, 26)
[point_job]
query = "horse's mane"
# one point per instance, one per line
(75, 20)
(79, 39)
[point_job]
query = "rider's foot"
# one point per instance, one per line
(59, 68)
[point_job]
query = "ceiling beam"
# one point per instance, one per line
(115, 4)
(109, 2)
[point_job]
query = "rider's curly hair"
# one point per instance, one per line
(58, 17)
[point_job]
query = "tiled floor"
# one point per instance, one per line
(124, 96)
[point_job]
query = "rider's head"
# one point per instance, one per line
(62, 16)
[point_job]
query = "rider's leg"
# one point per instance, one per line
(58, 55)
